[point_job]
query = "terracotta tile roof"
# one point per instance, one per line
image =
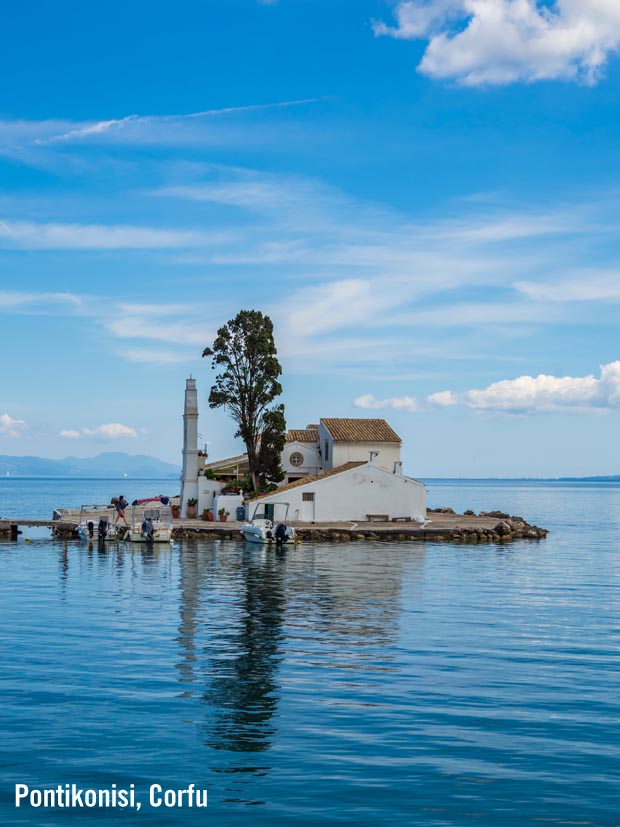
(301, 435)
(312, 427)
(360, 430)
(311, 478)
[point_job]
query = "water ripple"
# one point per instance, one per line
(356, 684)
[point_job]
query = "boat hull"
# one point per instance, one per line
(255, 534)
(160, 535)
(110, 537)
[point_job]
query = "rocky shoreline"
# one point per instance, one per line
(487, 527)
(444, 526)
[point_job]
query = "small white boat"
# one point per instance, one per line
(150, 525)
(97, 523)
(264, 528)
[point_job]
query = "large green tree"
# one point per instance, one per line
(247, 385)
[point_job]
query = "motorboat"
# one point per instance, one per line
(150, 525)
(97, 523)
(265, 528)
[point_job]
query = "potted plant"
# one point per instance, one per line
(176, 511)
(191, 507)
(223, 515)
(207, 515)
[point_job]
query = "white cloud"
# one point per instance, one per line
(529, 394)
(397, 403)
(181, 332)
(255, 191)
(351, 283)
(523, 395)
(152, 309)
(330, 306)
(14, 300)
(112, 430)
(158, 357)
(504, 41)
(444, 399)
(590, 287)
(42, 236)
(11, 427)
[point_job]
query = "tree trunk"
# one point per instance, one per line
(252, 464)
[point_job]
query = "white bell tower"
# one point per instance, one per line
(189, 479)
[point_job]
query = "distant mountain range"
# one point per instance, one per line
(110, 464)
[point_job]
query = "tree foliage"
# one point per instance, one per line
(244, 352)
(272, 441)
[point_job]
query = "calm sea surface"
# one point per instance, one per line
(362, 684)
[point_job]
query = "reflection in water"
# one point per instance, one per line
(239, 609)
(63, 561)
(361, 684)
(354, 595)
(195, 564)
(241, 694)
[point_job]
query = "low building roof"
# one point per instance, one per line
(301, 435)
(229, 461)
(312, 478)
(360, 430)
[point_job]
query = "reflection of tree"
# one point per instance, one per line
(345, 602)
(242, 694)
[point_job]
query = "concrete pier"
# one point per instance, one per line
(490, 527)
(10, 527)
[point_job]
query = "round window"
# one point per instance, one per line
(296, 459)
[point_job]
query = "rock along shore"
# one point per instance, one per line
(444, 526)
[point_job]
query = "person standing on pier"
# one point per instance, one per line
(121, 505)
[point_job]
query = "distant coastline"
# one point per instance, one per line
(174, 475)
(611, 478)
(110, 465)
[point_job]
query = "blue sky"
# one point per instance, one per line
(423, 195)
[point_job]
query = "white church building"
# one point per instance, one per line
(337, 470)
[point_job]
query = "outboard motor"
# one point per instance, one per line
(102, 529)
(281, 533)
(147, 530)
(91, 528)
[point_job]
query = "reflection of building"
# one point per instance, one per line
(338, 469)
(244, 614)
(355, 592)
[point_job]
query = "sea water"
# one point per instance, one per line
(359, 684)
